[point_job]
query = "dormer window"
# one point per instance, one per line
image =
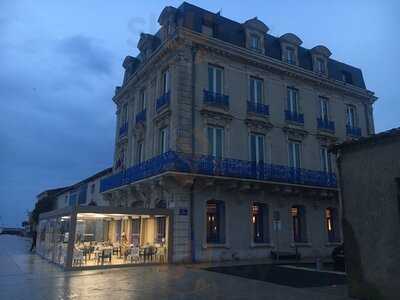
(346, 77)
(255, 42)
(208, 30)
(320, 65)
(290, 55)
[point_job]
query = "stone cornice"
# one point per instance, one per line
(273, 64)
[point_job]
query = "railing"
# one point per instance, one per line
(123, 130)
(294, 117)
(141, 117)
(163, 101)
(326, 125)
(209, 165)
(216, 99)
(353, 131)
(257, 108)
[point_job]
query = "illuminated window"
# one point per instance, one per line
(331, 220)
(161, 225)
(215, 222)
(259, 220)
(299, 224)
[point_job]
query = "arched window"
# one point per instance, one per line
(215, 212)
(260, 222)
(299, 224)
(332, 226)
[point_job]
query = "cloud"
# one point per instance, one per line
(86, 53)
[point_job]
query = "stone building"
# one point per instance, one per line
(84, 192)
(228, 127)
(369, 172)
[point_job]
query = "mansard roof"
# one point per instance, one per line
(227, 30)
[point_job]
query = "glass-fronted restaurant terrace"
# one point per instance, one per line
(92, 237)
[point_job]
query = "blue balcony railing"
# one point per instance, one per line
(209, 165)
(123, 130)
(216, 99)
(292, 116)
(325, 125)
(163, 101)
(141, 117)
(353, 131)
(257, 108)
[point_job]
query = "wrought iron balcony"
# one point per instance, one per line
(216, 99)
(257, 108)
(209, 165)
(141, 117)
(163, 101)
(294, 117)
(325, 125)
(123, 130)
(353, 131)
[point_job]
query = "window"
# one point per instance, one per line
(331, 220)
(290, 55)
(257, 147)
(346, 77)
(323, 106)
(166, 82)
(215, 222)
(92, 187)
(161, 225)
(299, 224)
(208, 30)
(255, 42)
(142, 100)
(139, 152)
(256, 90)
(351, 116)
(215, 79)
(163, 140)
(136, 231)
(215, 137)
(260, 223)
(326, 163)
(320, 65)
(293, 103)
(294, 154)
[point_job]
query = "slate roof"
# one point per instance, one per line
(394, 132)
(233, 32)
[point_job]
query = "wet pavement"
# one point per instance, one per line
(27, 276)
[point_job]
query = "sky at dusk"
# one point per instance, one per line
(61, 60)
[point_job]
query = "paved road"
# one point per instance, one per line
(26, 276)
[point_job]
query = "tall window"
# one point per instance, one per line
(256, 90)
(260, 222)
(166, 82)
(290, 55)
(320, 67)
(351, 116)
(292, 100)
(215, 137)
(140, 152)
(255, 42)
(323, 107)
(142, 100)
(294, 154)
(257, 147)
(215, 79)
(326, 163)
(331, 220)
(215, 222)
(161, 230)
(299, 224)
(163, 140)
